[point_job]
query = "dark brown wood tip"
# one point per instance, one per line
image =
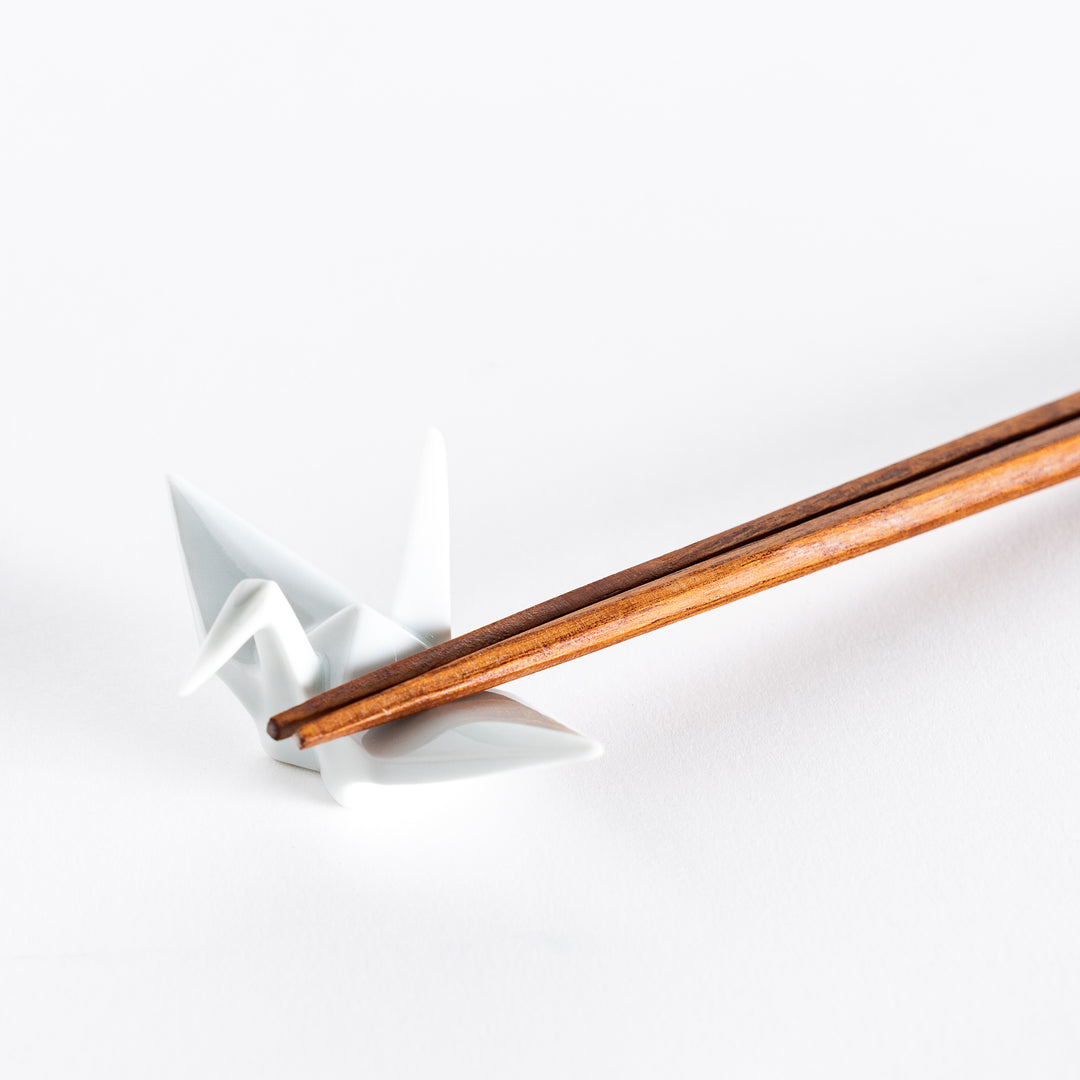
(278, 728)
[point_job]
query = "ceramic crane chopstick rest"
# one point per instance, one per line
(277, 631)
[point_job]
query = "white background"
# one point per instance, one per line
(654, 269)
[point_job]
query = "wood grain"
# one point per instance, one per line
(883, 480)
(890, 510)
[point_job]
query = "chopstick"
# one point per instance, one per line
(1002, 462)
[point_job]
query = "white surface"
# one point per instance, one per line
(653, 269)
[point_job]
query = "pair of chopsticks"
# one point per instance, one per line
(991, 466)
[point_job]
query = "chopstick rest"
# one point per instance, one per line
(277, 631)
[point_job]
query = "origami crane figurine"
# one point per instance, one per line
(277, 631)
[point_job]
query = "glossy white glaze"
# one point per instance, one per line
(277, 631)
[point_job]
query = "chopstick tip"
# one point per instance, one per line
(279, 729)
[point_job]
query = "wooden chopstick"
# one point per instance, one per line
(993, 465)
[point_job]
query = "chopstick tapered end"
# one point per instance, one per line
(279, 728)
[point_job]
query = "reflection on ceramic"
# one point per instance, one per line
(277, 631)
